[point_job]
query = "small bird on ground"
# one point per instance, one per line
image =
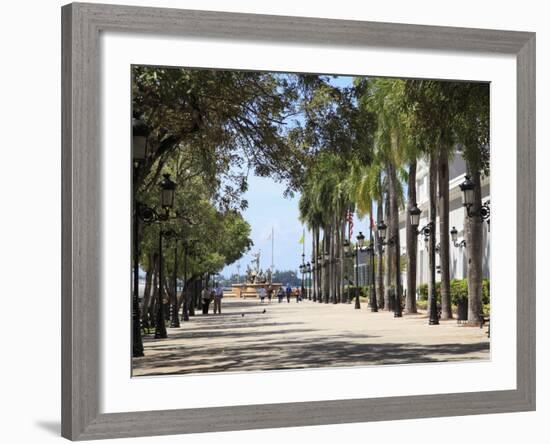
(264, 310)
(242, 314)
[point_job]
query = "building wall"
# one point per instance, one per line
(458, 260)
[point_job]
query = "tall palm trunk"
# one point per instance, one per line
(444, 244)
(410, 301)
(317, 274)
(394, 227)
(388, 261)
(329, 266)
(432, 298)
(342, 259)
(337, 260)
(370, 268)
(332, 254)
(312, 263)
(380, 263)
(319, 269)
(326, 279)
(473, 227)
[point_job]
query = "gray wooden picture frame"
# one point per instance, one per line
(81, 172)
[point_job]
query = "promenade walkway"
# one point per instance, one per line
(305, 335)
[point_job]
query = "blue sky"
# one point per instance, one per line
(267, 209)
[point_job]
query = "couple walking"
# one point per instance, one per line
(209, 294)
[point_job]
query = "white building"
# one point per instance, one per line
(458, 259)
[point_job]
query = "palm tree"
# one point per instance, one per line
(410, 300)
(365, 184)
(386, 100)
(473, 134)
(312, 218)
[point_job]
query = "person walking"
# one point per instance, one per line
(206, 295)
(280, 294)
(261, 293)
(288, 292)
(298, 294)
(218, 295)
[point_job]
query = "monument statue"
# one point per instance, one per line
(256, 261)
(269, 276)
(261, 278)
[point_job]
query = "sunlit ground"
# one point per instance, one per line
(305, 335)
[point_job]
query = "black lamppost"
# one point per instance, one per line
(428, 232)
(140, 132)
(373, 301)
(468, 200)
(382, 229)
(454, 238)
(167, 194)
(359, 246)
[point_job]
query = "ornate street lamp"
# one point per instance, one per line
(382, 229)
(167, 192)
(414, 215)
(454, 238)
(468, 200)
(360, 242)
(140, 132)
(427, 231)
(468, 188)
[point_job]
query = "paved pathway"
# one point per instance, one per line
(305, 335)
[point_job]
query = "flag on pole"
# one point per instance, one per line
(349, 218)
(301, 241)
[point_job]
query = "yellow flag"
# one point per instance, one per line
(301, 241)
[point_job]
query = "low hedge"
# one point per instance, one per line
(459, 291)
(363, 291)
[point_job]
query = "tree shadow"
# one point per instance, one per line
(258, 342)
(303, 353)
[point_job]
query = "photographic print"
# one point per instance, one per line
(307, 221)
